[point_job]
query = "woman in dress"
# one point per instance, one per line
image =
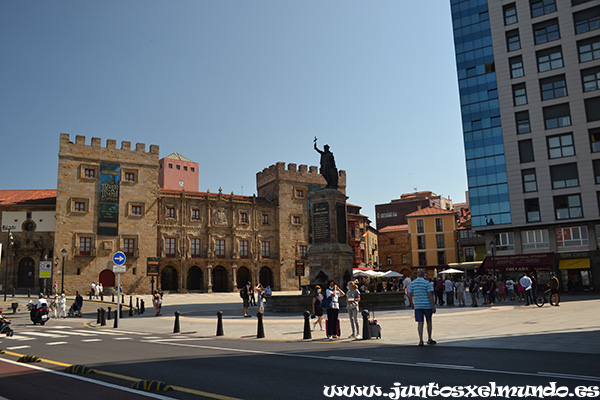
(316, 308)
(156, 300)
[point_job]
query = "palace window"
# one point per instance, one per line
(170, 247)
(195, 214)
(195, 247)
(266, 249)
(243, 217)
(170, 212)
(244, 252)
(220, 248)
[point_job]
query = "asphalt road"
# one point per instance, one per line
(259, 369)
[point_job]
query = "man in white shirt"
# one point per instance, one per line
(449, 289)
(510, 286)
(525, 281)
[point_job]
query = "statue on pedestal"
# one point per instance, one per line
(328, 169)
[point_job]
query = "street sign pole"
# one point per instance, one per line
(118, 299)
(118, 267)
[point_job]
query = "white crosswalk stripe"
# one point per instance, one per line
(74, 333)
(44, 334)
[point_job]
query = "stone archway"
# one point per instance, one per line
(168, 279)
(243, 277)
(219, 279)
(107, 278)
(26, 275)
(265, 277)
(195, 279)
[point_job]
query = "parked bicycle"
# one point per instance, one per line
(547, 297)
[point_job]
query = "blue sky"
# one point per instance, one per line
(237, 86)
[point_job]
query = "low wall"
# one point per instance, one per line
(369, 301)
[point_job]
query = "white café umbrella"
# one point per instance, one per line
(451, 271)
(391, 274)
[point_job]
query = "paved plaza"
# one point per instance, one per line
(572, 327)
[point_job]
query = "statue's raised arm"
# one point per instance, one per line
(328, 169)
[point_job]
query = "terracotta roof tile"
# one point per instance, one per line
(394, 228)
(23, 197)
(430, 211)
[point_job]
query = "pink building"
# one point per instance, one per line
(177, 173)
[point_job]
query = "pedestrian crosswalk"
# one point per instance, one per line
(64, 333)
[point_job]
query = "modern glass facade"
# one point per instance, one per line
(480, 109)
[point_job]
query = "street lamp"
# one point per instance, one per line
(62, 277)
(493, 247)
(10, 243)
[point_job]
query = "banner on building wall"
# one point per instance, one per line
(108, 204)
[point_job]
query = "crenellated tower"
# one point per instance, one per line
(106, 201)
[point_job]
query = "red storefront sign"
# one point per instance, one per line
(520, 263)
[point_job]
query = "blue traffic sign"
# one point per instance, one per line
(119, 258)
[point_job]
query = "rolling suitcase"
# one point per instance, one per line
(375, 328)
(339, 332)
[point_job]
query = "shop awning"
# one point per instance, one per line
(466, 265)
(520, 262)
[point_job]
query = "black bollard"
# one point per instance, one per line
(113, 298)
(101, 296)
(115, 324)
(366, 326)
(13, 292)
(120, 310)
(142, 306)
(261, 329)
(176, 327)
(28, 292)
(307, 333)
(90, 296)
(220, 323)
(137, 302)
(123, 299)
(102, 317)
(130, 306)
(108, 316)
(98, 317)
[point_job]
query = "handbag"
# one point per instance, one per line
(326, 303)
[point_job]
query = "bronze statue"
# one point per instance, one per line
(328, 169)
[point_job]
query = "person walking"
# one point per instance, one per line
(317, 310)
(260, 293)
(440, 290)
(78, 303)
(156, 300)
(525, 281)
(245, 295)
(333, 312)
(352, 300)
(473, 287)
(460, 292)
(449, 289)
(62, 306)
(554, 285)
(406, 285)
(510, 287)
(424, 306)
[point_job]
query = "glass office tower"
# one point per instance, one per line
(480, 108)
(529, 83)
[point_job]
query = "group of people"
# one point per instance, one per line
(58, 305)
(331, 303)
(97, 290)
(489, 289)
(250, 294)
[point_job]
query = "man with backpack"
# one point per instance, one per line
(245, 295)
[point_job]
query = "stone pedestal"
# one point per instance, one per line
(330, 256)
